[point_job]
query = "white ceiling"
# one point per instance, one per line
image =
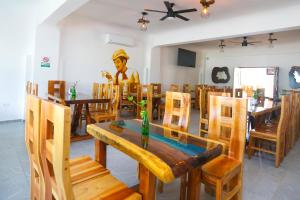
(126, 12)
(285, 37)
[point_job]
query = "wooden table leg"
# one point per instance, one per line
(147, 185)
(75, 117)
(100, 152)
(88, 114)
(194, 184)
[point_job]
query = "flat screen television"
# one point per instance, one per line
(186, 58)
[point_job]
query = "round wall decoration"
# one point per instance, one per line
(294, 77)
(220, 75)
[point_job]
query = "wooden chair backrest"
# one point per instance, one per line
(133, 87)
(174, 88)
(104, 93)
(284, 132)
(223, 94)
(238, 93)
(57, 88)
(32, 136)
(249, 90)
(203, 103)
(28, 87)
(186, 88)
(35, 89)
(237, 123)
(55, 150)
(114, 98)
(177, 110)
(95, 94)
(145, 92)
(156, 88)
(32, 88)
(124, 91)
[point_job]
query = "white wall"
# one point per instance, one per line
(285, 54)
(17, 19)
(173, 74)
(84, 53)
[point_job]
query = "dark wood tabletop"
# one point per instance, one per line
(169, 154)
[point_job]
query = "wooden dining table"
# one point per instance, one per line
(169, 154)
(79, 101)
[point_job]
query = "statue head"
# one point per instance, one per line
(120, 58)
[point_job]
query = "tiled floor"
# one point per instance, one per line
(261, 180)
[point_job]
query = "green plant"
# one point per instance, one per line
(255, 94)
(142, 104)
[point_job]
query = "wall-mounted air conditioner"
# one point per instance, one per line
(120, 40)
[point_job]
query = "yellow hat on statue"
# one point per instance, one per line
(120, 53)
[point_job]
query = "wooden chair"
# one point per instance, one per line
(204, 102)
(32, 88)
(227, 170)
(93, 107)
(197, 94)
(174, 88)
(186, 88)
(276, 134)
(177, 117)
(156, 88)
(28, 87)
(108, 112)
(238, 93)
(124, 103)
(35, 89)
(57, 88)
(145, 92)
(88, 179)
(32, 129)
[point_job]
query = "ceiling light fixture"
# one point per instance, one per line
(271, 40)
(143, 22)
(205, 5)
(221, 46)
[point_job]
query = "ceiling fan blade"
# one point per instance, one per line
(168, 5)
(182, 17)
(186, 10)
(235, 42)
(254, 42)
(163, 18)
(159, 11)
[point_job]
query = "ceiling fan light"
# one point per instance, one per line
(170, 18)
(143, 27)
(143, 22)
(204, 12)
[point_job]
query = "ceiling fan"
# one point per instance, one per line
(245, 42)
(170, 13)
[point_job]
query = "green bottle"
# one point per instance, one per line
(145, 123)
(145, 129)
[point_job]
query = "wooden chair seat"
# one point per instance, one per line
(264, 135)
(104, 187)
(220, 166)
(103, 116)
(84, 168)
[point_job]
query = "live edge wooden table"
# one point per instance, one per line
(170, 154)
(79, 101)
